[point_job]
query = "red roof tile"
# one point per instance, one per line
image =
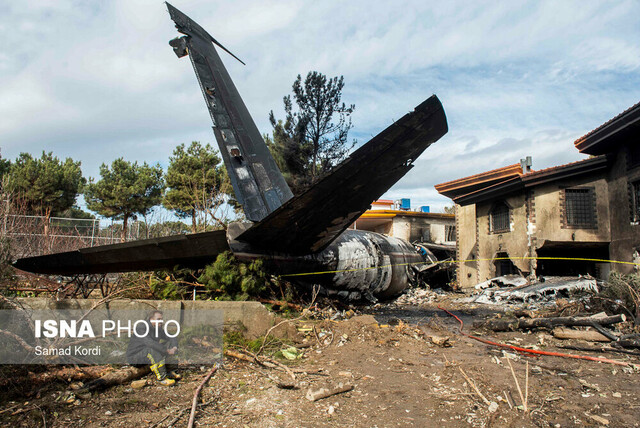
(457, 186)
(553, 168)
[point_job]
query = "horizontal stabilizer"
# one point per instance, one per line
(310, 221)
(193, 251)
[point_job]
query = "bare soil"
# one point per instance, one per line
(400, 378)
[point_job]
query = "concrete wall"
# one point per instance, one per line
(415, 228)
(252, 316)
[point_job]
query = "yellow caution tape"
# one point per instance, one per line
(582, 259)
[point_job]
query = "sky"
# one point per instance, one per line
(97, 80)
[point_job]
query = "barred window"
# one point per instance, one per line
(450, 233)
(635, 201)
(580, 207)
(500, 218)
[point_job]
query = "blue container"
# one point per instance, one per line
(405, 204)
(424, 208)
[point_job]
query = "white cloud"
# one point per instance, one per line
(97, 80)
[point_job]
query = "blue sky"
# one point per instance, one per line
(97, 80)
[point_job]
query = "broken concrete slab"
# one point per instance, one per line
(503, 281)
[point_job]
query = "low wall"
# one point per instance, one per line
(252, 317)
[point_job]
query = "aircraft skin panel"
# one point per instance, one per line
(309, 222)
(257, 182)
(195, 250)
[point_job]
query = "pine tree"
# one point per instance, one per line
(196, 183)
(313, 137)
(125, 190)
(45, 186)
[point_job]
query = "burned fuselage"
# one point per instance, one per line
(303, 237)
(356, 265)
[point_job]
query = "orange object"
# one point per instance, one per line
(536, 352)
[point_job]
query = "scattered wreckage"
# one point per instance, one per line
(518, 292)
(294, 235)
(515, 289)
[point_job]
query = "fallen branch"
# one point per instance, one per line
(18, 339)
(196, 394)
(70, 374)
(239, 356)
(279, 383)
(588, 335)
(550, 323)
(609, 335)
(116, 377)
(475, 388)
(524, 401)
(598, 349)
(628, 343)
(263, 361)
(321, 393)
(537, 352)
(179, 415)
(282, 303)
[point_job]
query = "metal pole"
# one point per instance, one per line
(93, 230)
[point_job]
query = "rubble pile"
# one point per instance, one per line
(416, 296)
(517, 290)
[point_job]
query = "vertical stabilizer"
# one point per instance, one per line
(257, 182)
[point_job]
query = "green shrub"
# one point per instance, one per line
(234, 280)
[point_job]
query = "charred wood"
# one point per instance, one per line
(550, 323)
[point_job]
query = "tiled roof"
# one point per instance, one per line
(579, 142)
(552, 169)
(477, 179)
(522, 181)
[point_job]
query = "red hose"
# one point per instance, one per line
(536, 352)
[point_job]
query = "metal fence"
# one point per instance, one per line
(32, 235)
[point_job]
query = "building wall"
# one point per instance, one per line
(433, 229)
(549, 211)
(514, 242)
(625, 235)
(536, 216)
(466, 251)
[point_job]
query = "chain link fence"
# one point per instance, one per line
(32, 235)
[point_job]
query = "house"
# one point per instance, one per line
(395, 218)
(515, 220)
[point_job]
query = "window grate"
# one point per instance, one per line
(580, 208)
(500, 218)
(450, 233)
(635, 201)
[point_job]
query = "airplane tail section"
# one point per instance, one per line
(257, 182)
(311, 221)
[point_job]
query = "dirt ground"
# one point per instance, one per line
(399, 377)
